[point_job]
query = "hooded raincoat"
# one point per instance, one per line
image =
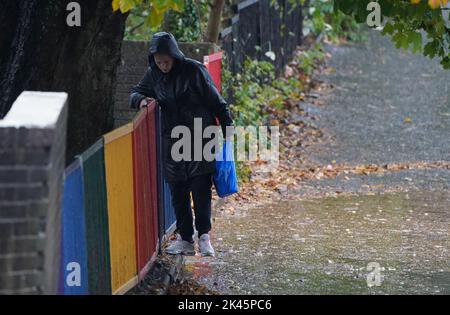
(185, 93)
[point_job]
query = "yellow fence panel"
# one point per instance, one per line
(119, 186)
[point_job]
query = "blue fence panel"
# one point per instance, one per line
(74, 255)
(169, 214)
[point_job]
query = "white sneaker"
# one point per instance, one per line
(204, 245)
(179, 246)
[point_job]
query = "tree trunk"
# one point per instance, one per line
(41, 52)
(215, 16)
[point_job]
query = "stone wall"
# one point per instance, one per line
(133, 66)
(32, 150)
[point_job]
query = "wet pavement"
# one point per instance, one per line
(376, 234)
(324, 246)
(388, 105)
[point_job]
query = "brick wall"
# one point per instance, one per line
(32, 150)
(133, 66)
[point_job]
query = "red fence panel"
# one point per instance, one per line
(213, 63)
(152, 156)
(144, 190)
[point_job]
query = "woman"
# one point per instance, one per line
(184, 91)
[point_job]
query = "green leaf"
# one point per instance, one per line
(400, 40)
(416, 39)
(127, 5)
(178, 5)
(388, 29)
(439, 26)
(155, 18)
(161, 6)
(430, 49)
(445, 62)
(116, 5)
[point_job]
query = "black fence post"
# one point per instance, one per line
(291, 21)
(265, 29)
(300, 16)
(237, 54)
(276, 32)
(160, 168)
(273, 25)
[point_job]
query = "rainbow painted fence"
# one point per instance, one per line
(116, 208)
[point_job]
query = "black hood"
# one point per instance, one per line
(164, 43)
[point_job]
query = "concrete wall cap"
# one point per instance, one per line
(35, 110)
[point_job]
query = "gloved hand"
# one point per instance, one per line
(145, 102)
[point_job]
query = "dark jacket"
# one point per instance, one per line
(185, 93)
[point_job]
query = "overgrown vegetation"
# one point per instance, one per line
(258, 96)
(407, 21)
(323, 20)
(255, 92)
(187, 25)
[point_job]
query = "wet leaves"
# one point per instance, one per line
(190, 287)
(297, 133)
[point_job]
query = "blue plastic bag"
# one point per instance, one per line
(225, 178)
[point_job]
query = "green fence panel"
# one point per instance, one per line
(99, 268)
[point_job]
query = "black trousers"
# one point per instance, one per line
(200, 186)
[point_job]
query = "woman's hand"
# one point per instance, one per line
(145, 102)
